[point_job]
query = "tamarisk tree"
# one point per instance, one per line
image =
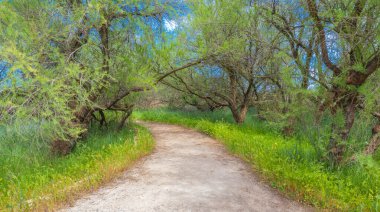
(69, 61)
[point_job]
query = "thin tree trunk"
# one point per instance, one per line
(124, 119)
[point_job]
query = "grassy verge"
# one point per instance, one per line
(289, 165)
(46, 182)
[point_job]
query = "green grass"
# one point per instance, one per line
(44, 182)
(289, 164)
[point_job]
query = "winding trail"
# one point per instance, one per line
(188, 171)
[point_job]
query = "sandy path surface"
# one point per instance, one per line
(188, 171)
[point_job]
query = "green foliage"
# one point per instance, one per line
(67, 58)
(71, 60)
(30, 178)
(290, 165)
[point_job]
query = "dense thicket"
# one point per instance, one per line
(64, 63)
(298, 63)
(310, 66)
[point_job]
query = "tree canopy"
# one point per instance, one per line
(65, 63)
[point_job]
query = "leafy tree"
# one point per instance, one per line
(77, 58)
(288, 59)
(356, 26)
(226, 39)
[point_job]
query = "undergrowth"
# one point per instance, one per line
(35, 180)
(289, 164)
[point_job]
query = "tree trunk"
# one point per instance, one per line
(373, 144)
(375, 140)
(124, 119)
(239, 115)
(339, 135)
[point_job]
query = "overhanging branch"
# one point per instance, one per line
(188, 65)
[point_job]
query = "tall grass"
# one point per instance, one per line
(32, 179)
(291, 165)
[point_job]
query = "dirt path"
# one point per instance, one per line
(188, 171)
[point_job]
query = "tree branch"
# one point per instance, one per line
(188, 65)
(312, 7)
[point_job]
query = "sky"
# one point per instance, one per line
(170, 25)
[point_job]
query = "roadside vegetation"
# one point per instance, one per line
(289, 164)
(31, 178)
(300, 79)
